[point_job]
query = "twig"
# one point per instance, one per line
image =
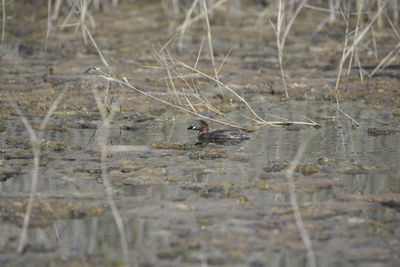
(224, 59)
(199, 53)
(168, 42)
(167, 62)
(124, 83)
(224, 86)
(344, 113)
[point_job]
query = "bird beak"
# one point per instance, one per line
(191, 127)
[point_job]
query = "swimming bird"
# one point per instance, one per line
(223, 137)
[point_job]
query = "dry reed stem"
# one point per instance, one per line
(83, 10)
(199, 53)
(341, 63)
(57, 6)
(278, 29)
(295, 205)
(260, 120)
(124, 83)
(190, 104)
(185, 24)
(168, 42)
(164, 61)
(281, 33)
(342, 59)
(391, 56)
(104, 134)
(198, 17)
(332, 14)
(69, 15)
(387, 60)
(355, 51)
(35, 138)
(196, 93)
(326, 10)
(84, 14)
(359, 37)
(256, 118)
(48, 24)
(224, 59)
(374, 43)
(291, 21)
(95, 45)
(209, 38)
(200, 93)
(3, 24)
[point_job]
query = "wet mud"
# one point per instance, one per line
(184, 204)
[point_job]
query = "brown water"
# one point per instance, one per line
(197, 206)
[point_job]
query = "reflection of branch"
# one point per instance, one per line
(344, 113)
(104, 134)
(35, 138)
(295, 205)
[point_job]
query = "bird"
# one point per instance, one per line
(223, 137)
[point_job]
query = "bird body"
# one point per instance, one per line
(218, 136)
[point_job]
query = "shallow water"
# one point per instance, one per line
(176, 208)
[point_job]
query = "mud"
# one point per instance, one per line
(184, 204)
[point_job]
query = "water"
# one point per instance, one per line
(175, 209)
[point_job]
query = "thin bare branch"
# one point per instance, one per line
(124, 83)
